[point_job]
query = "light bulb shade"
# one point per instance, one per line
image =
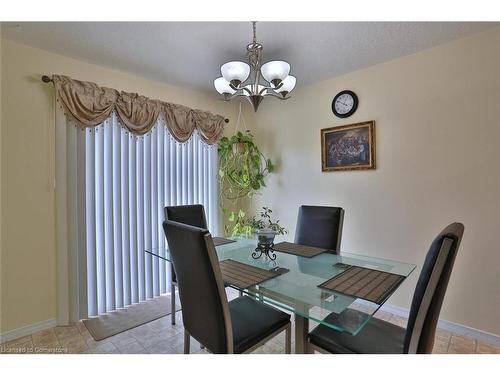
(222, 86)
(288, 84)
(249, 87)
(275, 71)
(235, 72)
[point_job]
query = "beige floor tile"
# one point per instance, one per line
(50, 348)
(86, 335)
(66, 331)
(483, 348)
(142, 332)
(23, 345)
(44, 336)
(382, 315)
(398, 321)
(133, 348)
(149, 340)
(160, 323)
(74, 344)
(99, 347)
(167, 332)
(442, 334)
(440, 346)
(461, 345)
(48, 341)
(122, 339)
(159, 347)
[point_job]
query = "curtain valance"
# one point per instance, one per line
(90, 104)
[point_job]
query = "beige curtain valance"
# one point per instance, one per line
(90, 104)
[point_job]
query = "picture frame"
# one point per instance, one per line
(348, 147)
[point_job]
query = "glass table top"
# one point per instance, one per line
(297, 290)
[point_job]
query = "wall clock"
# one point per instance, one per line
(345, 103)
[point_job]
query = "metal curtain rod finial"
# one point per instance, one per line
(47, 79)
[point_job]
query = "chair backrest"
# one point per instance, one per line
(205, 310)
(193, 214)
(430, 290)
(320, 227)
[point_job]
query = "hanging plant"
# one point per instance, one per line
(242, 167)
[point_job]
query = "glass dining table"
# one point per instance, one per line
(297, 290)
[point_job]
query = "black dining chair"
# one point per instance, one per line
(238, 326)
(381, 337)
(320, 226)
(194, 215)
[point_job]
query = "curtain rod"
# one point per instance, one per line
(47, 79)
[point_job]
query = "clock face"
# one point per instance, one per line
(345, 103)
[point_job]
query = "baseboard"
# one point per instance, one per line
(27, 330)
(459, 329)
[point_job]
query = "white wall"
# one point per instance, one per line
(437, 117)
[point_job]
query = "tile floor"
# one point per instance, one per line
(160, 336)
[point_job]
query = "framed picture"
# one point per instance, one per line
(348, 147)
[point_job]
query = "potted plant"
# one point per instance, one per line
(242, 170)
(242, 167)
(265, 228)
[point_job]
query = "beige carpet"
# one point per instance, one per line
(120, 320)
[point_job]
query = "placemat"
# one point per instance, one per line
(242, 275)
(221, 241)
(372, 285)
(299, 250)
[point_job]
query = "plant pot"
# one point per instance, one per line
(238, 148)
(266, 237)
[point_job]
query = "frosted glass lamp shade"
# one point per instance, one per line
(235, 72)
(288, 84)
(275, 71)
(222, 86)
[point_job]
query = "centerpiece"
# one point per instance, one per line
(266, 230)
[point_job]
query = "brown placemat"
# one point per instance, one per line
(299, 250)
(221, 241)
(372, 285)
(242, 275)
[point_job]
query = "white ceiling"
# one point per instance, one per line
(190, 53)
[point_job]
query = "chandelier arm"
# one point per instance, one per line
(264, 89)
(239, 94)
(247, 90)
(276, 95)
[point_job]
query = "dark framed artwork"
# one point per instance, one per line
(348, 147)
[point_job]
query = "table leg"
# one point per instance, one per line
(301, 332)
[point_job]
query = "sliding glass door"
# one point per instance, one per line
(127, 180)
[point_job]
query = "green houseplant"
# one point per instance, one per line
(242, 170)
(242, 167)
(260, 226)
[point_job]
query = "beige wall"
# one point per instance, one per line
(437, 119)
(28, 267)
(0, 173)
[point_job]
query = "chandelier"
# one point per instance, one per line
(244, 80)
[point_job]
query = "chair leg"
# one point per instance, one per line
(187, 341)
(288, 339)
(172, 303)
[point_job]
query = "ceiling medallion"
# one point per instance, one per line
(242, 79)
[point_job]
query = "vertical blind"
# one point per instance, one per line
(126, 182)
